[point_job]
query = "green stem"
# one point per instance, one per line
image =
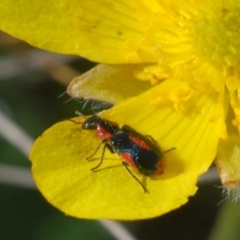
(227, 225)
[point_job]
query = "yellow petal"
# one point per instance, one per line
(93, 29)
(64, 176)
(100, 83)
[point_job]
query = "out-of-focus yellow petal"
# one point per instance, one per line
(235, 103)
(228, 156)
(96, 30)
(64, 176)
(110, 83)
(228, 163)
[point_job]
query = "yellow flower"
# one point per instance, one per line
(185, 55)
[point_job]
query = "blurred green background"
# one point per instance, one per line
(32, 83)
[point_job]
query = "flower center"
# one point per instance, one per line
(217, 36)
(197, 42)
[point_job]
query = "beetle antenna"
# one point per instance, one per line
(71, 120)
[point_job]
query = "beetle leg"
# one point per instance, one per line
(106, 145)
(169, 150)
(126, 166)
(95, 151)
